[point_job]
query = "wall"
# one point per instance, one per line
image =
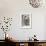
(14, 8)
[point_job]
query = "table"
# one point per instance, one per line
(27, 42)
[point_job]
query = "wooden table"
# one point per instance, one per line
(27, 42)
(30, 43)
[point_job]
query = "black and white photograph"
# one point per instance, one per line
(26, 20)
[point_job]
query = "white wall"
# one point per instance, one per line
(45, 28)
(14, 8)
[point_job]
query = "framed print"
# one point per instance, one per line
(26, 21)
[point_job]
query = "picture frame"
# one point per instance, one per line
(26, 21)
